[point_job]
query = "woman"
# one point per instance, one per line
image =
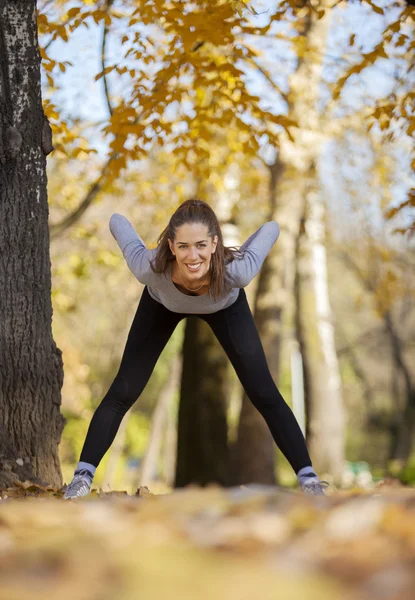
(191, 272)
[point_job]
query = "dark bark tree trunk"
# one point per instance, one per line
(202, 445)
(31, 370)
(405, 431)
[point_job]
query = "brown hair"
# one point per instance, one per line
(196, 211)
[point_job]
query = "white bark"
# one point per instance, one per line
(327, 424)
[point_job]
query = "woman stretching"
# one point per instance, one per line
(191, 272)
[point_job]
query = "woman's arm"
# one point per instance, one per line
(256, 248)
(133, 248)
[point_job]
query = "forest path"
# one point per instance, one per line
(210, 543)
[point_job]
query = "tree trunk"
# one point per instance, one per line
(253, 453)
(202, 445)
(405, 431)
(325, 431)
(31, 374)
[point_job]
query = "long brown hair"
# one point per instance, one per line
(196, 211)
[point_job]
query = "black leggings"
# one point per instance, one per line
(235, 329)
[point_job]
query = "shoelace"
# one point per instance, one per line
(80, 483)
(315, 487)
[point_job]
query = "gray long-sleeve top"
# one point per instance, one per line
(160, 286)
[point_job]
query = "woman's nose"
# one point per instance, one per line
(193, 253)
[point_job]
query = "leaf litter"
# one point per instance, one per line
(204, 543)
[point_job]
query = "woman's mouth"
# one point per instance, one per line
(193, 268)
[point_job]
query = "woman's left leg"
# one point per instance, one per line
(235, 329)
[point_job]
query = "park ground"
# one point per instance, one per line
(208, 543)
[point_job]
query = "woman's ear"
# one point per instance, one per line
(214, 243)
(170, 246)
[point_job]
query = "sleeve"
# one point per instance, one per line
(135, 252)
(256, 248)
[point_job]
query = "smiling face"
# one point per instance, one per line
(193, 248)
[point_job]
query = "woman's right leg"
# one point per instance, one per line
(152, 327)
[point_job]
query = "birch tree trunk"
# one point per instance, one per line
(31, 370)
(325, 430)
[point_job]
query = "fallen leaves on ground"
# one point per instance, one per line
(200, 544)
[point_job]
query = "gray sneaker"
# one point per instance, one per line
(315, 487)
(80, 485)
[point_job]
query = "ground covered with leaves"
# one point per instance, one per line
(211, 543)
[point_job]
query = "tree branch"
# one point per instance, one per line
(356, 365)
(103, 62)
(56, 229)
(268, 78)
(394, 338)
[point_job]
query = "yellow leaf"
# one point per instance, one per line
(104, 72)
(48, 66)
(97, 16)
(42, 20)
(63, 34)
(73, 12)
(401, 40)
(376, 8)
